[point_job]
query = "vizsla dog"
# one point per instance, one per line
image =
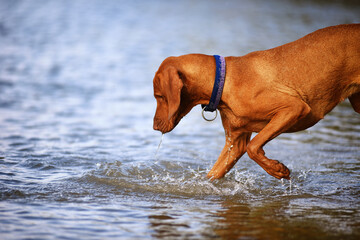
(285, 89)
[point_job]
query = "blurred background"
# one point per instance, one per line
(77, 149)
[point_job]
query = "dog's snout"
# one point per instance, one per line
(162, 126)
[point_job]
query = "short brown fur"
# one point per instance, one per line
(285, 89)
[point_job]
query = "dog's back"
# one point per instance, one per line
(323, 66)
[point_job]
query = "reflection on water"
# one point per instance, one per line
(77, 149)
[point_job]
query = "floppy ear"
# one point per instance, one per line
(173, 91)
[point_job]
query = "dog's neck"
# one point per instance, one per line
(200, 75)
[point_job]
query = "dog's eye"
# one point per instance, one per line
(159, 97)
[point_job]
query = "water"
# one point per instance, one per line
(158, 148)
(78, 156)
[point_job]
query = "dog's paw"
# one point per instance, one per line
(277, 169)
(215, 174)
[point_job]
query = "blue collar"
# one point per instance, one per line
(218, 84)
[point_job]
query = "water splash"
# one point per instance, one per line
(177, 178)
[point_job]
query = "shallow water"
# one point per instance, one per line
(78, 156)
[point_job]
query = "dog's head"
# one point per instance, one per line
(175, 91)
(167, 92)
(168, 86)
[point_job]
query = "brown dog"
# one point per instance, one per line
(285, 89)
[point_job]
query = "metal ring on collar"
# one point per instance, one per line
(206, 119)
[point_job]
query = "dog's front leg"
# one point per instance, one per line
(235, 147)
(285, 118)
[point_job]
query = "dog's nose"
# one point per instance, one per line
(156, 125)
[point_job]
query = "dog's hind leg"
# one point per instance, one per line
(355, 101)
(287, 115)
